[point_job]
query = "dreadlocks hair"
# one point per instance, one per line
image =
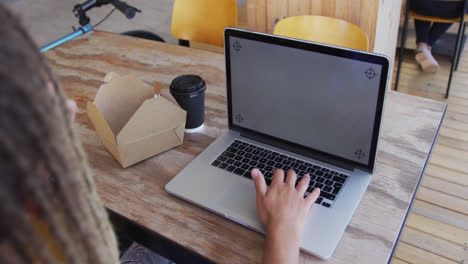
(37, 139)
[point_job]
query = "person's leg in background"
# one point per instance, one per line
(428, 33)
(437, 30)
(423, 50)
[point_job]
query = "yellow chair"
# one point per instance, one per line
(203, 20)
(456, 52)
(323, 29)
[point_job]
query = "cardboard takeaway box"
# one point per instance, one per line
(132, 124)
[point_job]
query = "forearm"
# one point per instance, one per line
(281, 247)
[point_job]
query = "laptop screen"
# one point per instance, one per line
(321, 101)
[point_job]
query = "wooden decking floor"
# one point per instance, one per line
(436, 230)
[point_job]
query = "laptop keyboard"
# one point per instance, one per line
(241, 157)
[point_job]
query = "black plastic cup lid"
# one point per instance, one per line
(188, 84)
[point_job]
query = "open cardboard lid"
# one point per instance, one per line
(155, 116)
(119, 98)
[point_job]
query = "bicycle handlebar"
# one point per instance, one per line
(80, 12)
(128, 10)
(80, 9)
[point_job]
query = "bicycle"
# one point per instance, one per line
(85, 22)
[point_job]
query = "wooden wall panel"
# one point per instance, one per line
(386, 33)
(378, 18)
(316, 7)
(264, 14)
(354, 12)
(276, 10)
(257, 15)
(328, 8)
(341, 9)
(299, 7)
(368, 20)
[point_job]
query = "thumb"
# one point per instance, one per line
(310, 199)
(260, 184)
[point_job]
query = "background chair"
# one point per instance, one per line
(456, 52)
(203, 20)
(323, 29)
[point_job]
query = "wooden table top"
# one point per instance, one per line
(410, 125)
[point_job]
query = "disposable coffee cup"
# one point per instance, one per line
(189, 92)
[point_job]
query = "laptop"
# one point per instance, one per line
(296, 104)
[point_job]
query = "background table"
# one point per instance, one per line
(410, 126)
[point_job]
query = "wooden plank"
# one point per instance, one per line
(242, 17)
(354, 13)
(276, 10)
(446, 187)
(457, 108)
(459, 138)
(457, 100)
(451, 152)
(443, 200)
(440, 214)
(368, 21)
(452, 142)
(413, 79)
(412, 254)
(457, 117)
(454, 133)
(417, 83)
(298, 7)
(457, 89)
(441, 75)
(341, 9)
(421, 93)
(448, 161)
(316, 7)
(439, 229)
(434, 245)
(257, 15)
(447, 174)
(397, 261)
(349, 10)
(425, 82)
(328, 8)
(454, 124)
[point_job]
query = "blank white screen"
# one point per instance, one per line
(320, 101)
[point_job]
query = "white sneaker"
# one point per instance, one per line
(426, 60)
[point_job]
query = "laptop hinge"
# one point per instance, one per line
(298, 150)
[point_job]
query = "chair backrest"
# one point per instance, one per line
(203, 20)
(323, 29)
(415, 15)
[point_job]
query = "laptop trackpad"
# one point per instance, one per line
(240, 203)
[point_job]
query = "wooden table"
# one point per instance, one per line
(410, 125)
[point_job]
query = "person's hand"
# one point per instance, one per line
(283, 206)
(283, 210)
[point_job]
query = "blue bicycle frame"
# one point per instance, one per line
(82, 30)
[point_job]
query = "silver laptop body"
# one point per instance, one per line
(292, 104)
